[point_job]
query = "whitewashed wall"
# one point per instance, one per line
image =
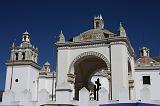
(27, 79)
(154, 87)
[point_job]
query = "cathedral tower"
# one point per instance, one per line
(22, 68)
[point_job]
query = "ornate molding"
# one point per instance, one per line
(95, 43)
(71, 78)
(83, 46)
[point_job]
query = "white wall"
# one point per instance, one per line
(154, 87)
(46, 83)
(119, 69)
(27, 79)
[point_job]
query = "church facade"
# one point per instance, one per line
(95, 67)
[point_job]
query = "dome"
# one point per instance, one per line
(93, 34)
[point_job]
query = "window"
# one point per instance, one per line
(23, 56)
(97, 24)
(146, 80)
(16, 80)
(25, 38)
(16, 56)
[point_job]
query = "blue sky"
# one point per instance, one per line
(44, 19)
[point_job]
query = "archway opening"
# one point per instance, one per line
(84, 69)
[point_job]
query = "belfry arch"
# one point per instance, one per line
(83, 68)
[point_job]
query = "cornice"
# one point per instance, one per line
(23, 62)
(96, 43)
(138, 69)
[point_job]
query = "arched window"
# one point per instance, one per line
(25, 38)
(23, 56)
(16, 54)
(97, 24)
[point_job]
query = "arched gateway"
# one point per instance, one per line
(84, 68)
(96, 53)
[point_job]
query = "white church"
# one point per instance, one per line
(94, 68)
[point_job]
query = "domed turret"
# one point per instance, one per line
(47, 67)
(25, 51)
(26, 37)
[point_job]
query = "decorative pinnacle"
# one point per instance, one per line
(121, 27)
(100, 16)
(13, 45)
(120, 24)
(121, 30)
(61, 32)
(61, 37)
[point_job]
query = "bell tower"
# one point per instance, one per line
(22, 68)
(25, 51)
(98, 22)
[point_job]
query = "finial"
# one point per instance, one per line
(13, 45)
(61, 32)
(100, 16)
(121, 30)
(36, 48)
(120, 24)
(61, 37)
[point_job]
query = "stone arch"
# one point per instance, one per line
(80, 78)
(90, 53)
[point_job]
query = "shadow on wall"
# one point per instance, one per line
(130, 104)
